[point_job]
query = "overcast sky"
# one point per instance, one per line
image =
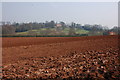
(104, 13)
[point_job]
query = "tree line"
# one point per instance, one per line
(12, 28)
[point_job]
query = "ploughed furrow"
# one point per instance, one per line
(24, 41)
(76, 66)
(61, 58)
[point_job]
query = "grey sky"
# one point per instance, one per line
(104, 13)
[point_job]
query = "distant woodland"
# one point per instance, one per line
(52, 28)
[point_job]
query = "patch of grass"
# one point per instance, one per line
(81, 31)
(52, 31)
(66, 30)
(41, 29)
(34, 30)
(26, 32)
(95, 33)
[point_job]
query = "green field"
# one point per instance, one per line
(80, 31)
(52, 31)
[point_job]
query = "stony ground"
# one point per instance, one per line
(84, 58)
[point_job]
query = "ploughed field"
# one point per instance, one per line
(61, 58)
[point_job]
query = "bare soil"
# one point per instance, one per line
(38, 58)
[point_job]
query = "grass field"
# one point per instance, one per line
(52, 31)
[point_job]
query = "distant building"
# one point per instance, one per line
(112, 33)
(58, 25)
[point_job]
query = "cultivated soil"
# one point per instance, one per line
(61, 58)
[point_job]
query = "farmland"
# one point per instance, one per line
(56, 58)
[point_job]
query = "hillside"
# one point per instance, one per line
(52, 31)
(56, 29)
